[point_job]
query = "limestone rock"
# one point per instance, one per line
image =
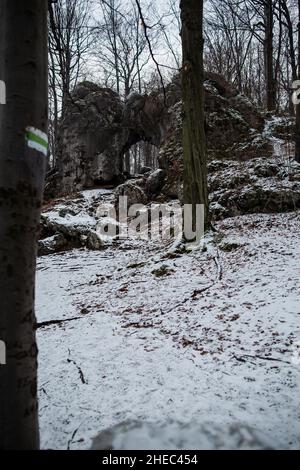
(91, 138)
(262, 185)
(133, 191)
(98, 129)
(134, 435)
(155, 182)
(52, 244)
(94, 242)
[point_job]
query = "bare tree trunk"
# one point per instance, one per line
(23, 149)
(297, 139)
(194, 148)
(127, 162)
(279, 53)
(290, 30)
(269, 53)
(114, 31)
(53, 110)
(148, 155)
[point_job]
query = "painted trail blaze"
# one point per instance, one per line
(2, 353)
(37, 140)
(2, 92)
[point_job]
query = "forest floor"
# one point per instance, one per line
(132, 332)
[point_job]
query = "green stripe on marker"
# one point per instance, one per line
(37, 139)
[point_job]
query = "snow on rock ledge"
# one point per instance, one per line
(72, 223)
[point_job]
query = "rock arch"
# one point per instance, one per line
(98, 129)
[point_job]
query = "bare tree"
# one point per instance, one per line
(70, 40)
(269, 54)
(240, 29)
(121, 46)
(228, 44)
(170, 26)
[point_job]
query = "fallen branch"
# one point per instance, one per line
(78, 368)
(262, 358)
(54, 322)
(241, 359)
(193, 297)
(140, 325)
(73, 435)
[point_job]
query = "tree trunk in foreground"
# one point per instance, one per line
(194, 146)
(23, 149)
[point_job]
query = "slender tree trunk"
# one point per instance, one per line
(53, 87)
(291, 108)
(279, 53)
(127, 162)
(290, 31)
(115, 46)
(269, 54)
(148, 154)
(194, 147)
(297, 139)
(23, 148)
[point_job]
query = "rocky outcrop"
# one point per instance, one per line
(134, 191)
(71, 223)
(142, 190)
(231, 119)
(53, 244)
(264, 185)
(91, 139)
(261, 185)
(155, 182)
(234, 131)
(234, 127)
(97, 129)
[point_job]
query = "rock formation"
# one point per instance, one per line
(98, 129)
(260, 185)
(177, 436)
(91, 139)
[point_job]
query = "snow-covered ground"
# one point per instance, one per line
(207, 336)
